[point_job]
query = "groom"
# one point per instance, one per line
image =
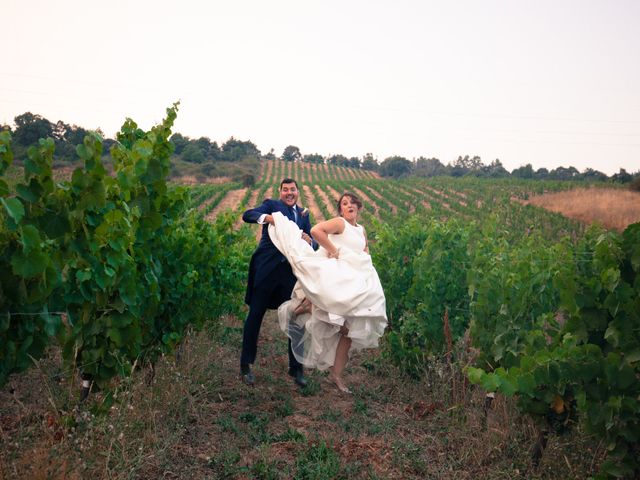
(271, 280)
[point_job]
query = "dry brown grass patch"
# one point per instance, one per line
(613, 208)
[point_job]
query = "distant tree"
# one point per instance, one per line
(179, 142)
(204, 144)
(429, 167)
(354, 162)
(248, 180)
(495, 170)
(5, 127)
(75, 135)
(337, 159)
(192, 153)
(313, 158)
(541, 174)
(59, 131)
(233, 150)
(562, 173)
(269, 156)
(107, 143)
(30, 128)
(395, 166)
(465, 166)
(291, 154)
(526, 171)
(622, 176)
(215, 152)
(594, 175)
(369, 163)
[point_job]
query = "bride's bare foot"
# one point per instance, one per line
(337, 381)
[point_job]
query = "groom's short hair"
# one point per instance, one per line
(288, 180)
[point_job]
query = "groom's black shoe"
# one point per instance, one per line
(298, 377)
(247, 375)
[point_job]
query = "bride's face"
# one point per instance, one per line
(348, 209)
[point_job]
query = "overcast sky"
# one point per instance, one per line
(551, 83)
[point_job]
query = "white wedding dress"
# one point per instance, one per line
(344, 291)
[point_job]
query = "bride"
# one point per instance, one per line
(338, 305)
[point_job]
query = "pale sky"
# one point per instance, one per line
(551, 83)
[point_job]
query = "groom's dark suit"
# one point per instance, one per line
(271, 280)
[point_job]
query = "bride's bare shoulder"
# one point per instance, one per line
(333, 225)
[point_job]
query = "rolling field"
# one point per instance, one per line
(486, 292)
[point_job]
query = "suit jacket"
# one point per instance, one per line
(266, 256)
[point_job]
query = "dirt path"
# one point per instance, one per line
(231, 200)
(375, 193)
(331, 206)
(368, 202)
(312, 205)
(452, 197)
(192, 180)
(439, 198)
(420, 193)
(334, 194)
(250, 204)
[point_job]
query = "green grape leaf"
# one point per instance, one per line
(30, 238)
(14, 208)
(612, 335)
(29, 265)
(490, 382)
(475, 374)
(633, 356)
(526, 384)
(52, 324)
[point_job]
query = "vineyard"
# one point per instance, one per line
(498, 299)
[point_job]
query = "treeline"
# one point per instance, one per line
(206, 157)
(474, 167)
(29, 128)
(203, 150)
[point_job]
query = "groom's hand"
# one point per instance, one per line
(306, 238)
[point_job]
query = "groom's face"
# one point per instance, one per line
(289, 193)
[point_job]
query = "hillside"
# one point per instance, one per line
(135, 285)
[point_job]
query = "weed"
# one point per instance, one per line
(318, 462)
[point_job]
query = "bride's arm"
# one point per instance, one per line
(366, 241)
(321, 231)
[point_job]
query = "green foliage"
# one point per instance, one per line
(395, 167)
(587, 362)
(30, 262)
(122, 256)
(291, 154)
(318, 462)
(423, 268)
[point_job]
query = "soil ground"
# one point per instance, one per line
(193, 418)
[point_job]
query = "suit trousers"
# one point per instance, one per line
(276, 289)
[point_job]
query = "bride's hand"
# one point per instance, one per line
(303, 307)
(306, 238)
(335, 254)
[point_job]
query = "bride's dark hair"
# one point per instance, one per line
(354, 198)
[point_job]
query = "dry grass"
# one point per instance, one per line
(192, 180)
(194, 419)
(612, 208)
